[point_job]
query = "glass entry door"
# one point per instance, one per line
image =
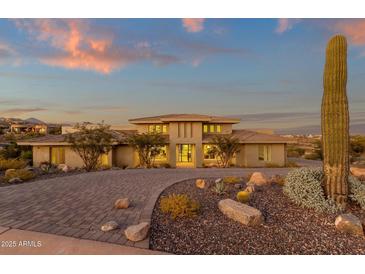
(185, 153)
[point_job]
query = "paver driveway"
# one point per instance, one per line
(77, 205)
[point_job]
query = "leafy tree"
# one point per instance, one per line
(148, 146)
(224, 148)
(90, 143)
(10, 151)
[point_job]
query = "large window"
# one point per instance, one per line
(158, 128)
(209, 153)
(265, 153)
(104, 159)
(163, 154)
(57, 155)
(185, 153)
(212, 128)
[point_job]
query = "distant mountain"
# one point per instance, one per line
(33, 121)
(316, 129)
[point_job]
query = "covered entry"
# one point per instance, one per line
(185, 155)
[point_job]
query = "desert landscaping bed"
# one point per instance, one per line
(287, 229)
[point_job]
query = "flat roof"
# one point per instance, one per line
(184, 118)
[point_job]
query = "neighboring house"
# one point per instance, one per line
(19, 128)
(188, 142)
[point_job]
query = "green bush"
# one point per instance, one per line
(243, 196)
(303, 187)
(26, 155)
(179, 205)
(357, 191)
(22, 174)
(12, 164)
(10, 151)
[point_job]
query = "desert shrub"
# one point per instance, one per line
(272, 165)
(292, 164)
(179, 205)
(231, 180)
(295, 152)
(361, 178)
(10, 151)
(243, 196)
(357, 191)
(303, 187)
(166, 165)
(219, 187)
(22, 174)
(12, 164)
(26, 155)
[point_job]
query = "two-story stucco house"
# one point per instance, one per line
(189, 140)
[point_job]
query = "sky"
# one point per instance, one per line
(266, 71)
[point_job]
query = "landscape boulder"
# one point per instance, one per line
(136, 233)
(111, 225)
(357, 172)
(122, 203)
(258, 179)
(15, 180)
(349, 223)
(9, 171)
(239, 212)
(200, 183)
(63, 167)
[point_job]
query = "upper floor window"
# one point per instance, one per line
(212, 128)
(265, 153)
(157, 128)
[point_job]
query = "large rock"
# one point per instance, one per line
(258, 179)
(9, 171)
(242, 213)
(122, 203)
(357, 172)
(349, 223)
(138, 232)
(111, 225)
(200, 183)
(63, 167)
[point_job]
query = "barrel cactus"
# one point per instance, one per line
(335, 121)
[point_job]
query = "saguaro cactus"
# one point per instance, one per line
(335, 121)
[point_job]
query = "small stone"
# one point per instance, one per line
(349, 223)
(239, 212)
(219, 180)
(250, 188)
(259, 179)
(111, 225)
(63, 167)
(200, 183)
(122, 203)
(15, 180)
(136, 233)
(357, 172)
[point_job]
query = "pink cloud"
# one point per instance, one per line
(193, 24)
(353, 29)
(78, 46)
(285, 24)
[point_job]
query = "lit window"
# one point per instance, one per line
(157, 128)
(104, 159)
(164, 129)
(209, 152)
(205, 128)
(219, 128)
(211, 128)
(57, 155)
(265, 153)
(151, 128)
(163, 154)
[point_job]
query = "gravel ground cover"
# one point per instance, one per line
(288, 229)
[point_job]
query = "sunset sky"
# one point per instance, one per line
(267, 71)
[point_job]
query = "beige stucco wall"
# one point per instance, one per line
(40, 154)
(72, 159)
(251, 159)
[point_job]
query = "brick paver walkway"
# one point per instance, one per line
(77, 205)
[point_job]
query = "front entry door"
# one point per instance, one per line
(184, 154)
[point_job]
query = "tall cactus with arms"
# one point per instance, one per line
(335, 121)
